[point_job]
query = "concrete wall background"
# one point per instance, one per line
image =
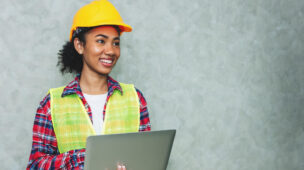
(228, 75)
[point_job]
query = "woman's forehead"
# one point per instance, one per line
(107, 30)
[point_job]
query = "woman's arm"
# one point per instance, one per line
(144, 114)
(44, 153)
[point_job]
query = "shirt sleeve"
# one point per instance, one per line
(144, 114)
(45, 153)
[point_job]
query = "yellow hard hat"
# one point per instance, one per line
(97, 13)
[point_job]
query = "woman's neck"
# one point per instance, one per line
(91, 83)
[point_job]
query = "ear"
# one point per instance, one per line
(78, 45)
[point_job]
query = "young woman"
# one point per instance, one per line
(93, 103)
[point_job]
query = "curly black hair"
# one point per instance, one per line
(69, 60)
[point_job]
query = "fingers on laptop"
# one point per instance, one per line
(120, 166)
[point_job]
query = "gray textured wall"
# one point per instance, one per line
(227, 74)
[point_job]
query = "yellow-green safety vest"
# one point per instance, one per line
(72, 124)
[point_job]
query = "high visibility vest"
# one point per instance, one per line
(72, 124)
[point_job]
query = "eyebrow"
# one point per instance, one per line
(101, 35)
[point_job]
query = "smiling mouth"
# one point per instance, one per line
(106, 61)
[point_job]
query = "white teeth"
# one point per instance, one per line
(106, 61)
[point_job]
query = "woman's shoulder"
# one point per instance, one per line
(44, 106)
(142, 99)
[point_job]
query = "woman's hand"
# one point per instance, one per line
(121, 166)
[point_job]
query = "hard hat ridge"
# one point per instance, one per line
(98, 13)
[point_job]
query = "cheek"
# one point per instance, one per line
(96, 49)
(117, 52)
(92, 52)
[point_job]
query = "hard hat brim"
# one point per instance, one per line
(122, 26)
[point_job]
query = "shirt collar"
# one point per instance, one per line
(74, 88)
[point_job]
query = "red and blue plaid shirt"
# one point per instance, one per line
(45, 153)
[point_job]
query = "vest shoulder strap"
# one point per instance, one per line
(123, 111)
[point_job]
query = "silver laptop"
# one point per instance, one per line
(137, 151)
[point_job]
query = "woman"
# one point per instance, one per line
(91, 103)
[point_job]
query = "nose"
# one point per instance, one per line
(109, 49)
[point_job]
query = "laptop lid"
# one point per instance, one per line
(137, 151)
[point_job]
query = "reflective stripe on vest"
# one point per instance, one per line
(72, 124)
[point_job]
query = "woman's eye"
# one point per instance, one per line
(101, 41)
(116, 43)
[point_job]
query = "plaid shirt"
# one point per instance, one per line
(45, 153)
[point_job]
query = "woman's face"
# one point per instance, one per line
(100, 51)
